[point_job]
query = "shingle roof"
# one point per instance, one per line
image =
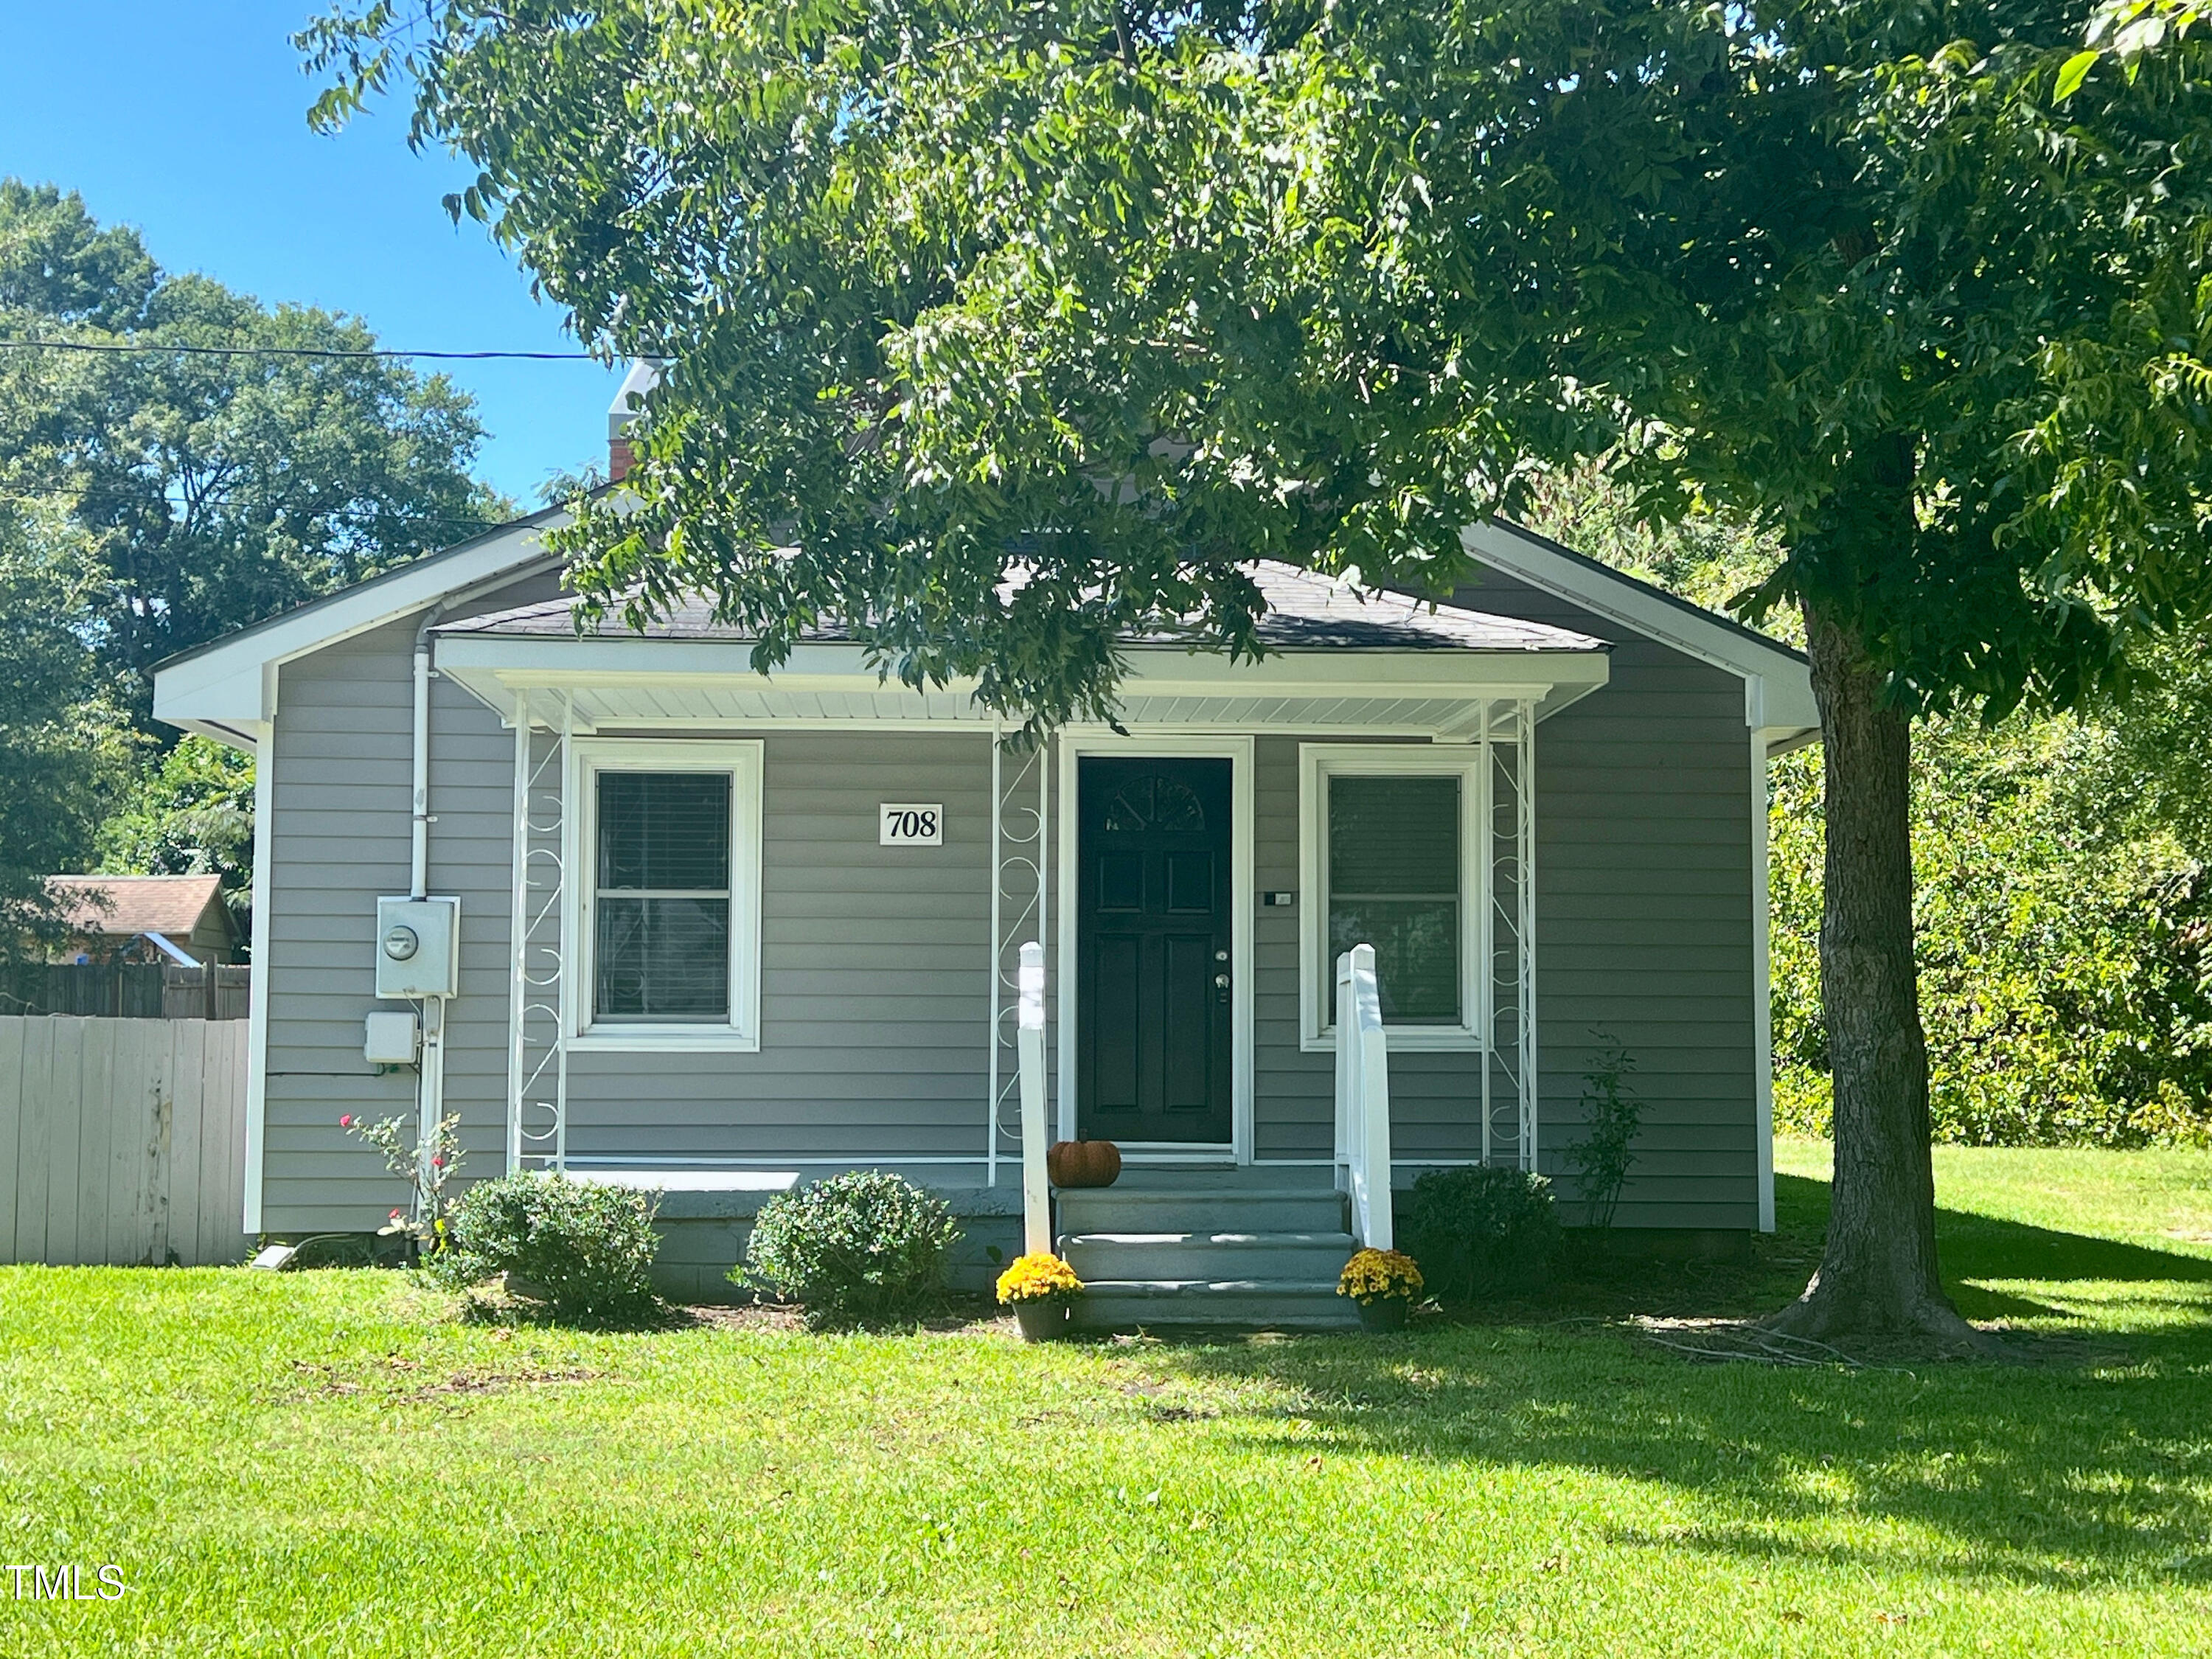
(169, 905)
(1305, 610)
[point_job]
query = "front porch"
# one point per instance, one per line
(880, 857)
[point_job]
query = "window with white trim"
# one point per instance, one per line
(668, 873)
(1390, 850)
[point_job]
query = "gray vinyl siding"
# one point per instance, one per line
(342, 777)
(340, 840)
(1644, 915)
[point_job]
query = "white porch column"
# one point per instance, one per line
(1037, 1196)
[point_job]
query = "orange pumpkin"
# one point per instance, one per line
(1083, 1162)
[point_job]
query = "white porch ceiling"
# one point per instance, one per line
(656, 685)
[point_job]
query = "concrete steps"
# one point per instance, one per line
(1249, 1304)
(1231, 1247)
(1175, 1210)
(1294, 1257)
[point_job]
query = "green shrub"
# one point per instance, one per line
(585, 1249)
(1613, 1116)
(857, 1248)
(1481, 1231)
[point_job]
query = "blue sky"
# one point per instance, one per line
(187, 118)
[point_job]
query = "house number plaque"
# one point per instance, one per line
(911, 824)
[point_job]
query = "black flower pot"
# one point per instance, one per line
(1042, 1321)
(1383, 1313)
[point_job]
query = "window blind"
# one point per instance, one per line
(661, 930)
(1394, 883)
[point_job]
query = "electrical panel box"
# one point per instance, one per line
(392, 1038)
(419, 947)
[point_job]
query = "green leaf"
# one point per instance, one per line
(2073, 72)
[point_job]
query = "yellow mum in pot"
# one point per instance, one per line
(1039, 1278)
(1379, 1276)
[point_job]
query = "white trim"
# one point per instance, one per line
(1787, 678)
(1317, 764)
(550, 661)
(1462, 729)
(1762, 992)
(256, 978)
(747, 1175)
(1078, 741)
(742, 760)
(998, 962)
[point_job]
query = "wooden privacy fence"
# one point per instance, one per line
(122, 1140)
(148, 990)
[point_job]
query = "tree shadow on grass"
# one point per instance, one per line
(2074, 1473)
(1977, 1248)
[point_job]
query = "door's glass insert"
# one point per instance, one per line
(1152, 802)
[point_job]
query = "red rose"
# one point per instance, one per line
(346, 1122)
(437, 1162)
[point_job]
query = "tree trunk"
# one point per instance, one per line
(1878, 1275)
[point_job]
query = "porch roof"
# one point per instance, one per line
(1340, 659)
(1305, 610)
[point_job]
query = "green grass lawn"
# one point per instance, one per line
(330, 1463)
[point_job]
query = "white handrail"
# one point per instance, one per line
(1028, 1050)
(1363, 1098)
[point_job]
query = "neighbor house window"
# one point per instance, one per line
(669, 921)
(1390, 857)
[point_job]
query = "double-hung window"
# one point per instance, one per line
(668, 921)
(1390, 854)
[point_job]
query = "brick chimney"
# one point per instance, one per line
(641, 378)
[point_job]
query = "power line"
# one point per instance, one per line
(123, 498)
(296, 351)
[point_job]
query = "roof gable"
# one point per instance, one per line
(1777, 680)
(227, 688)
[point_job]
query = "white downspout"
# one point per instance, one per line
(1762, 991)
(430, 1071)
(418, 866)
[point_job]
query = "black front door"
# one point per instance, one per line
(1152, 951)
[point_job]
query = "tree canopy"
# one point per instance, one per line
(181, 495)
(152, 499)
(1127, 295)
(59, 752)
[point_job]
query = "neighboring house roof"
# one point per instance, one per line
(1305, 610)
(124, 907)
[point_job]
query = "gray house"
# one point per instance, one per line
(714, 933)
